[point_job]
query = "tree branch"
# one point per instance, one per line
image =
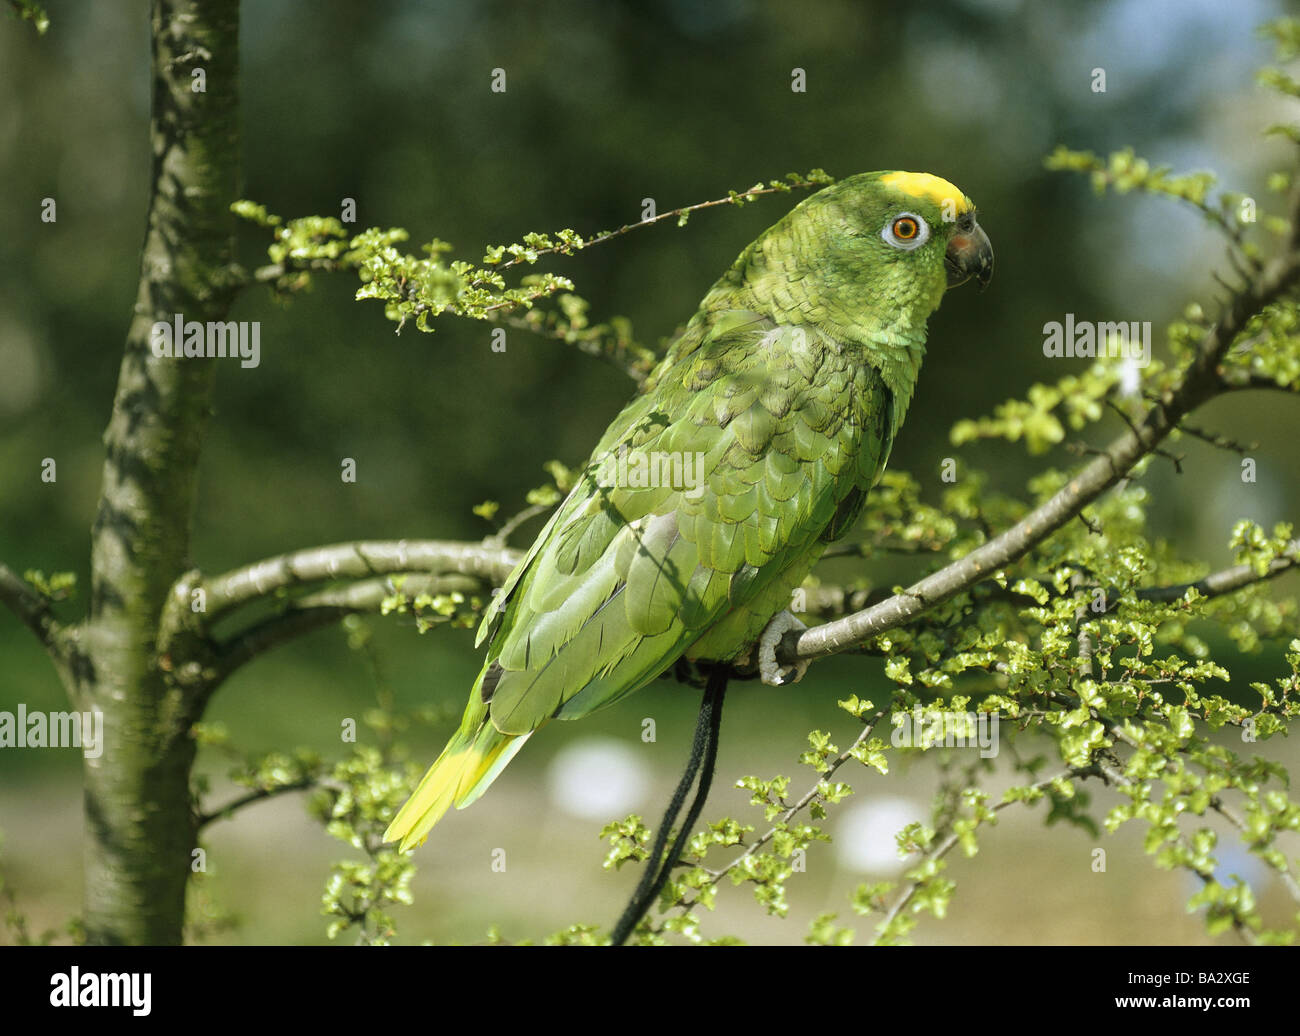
(261, 638)
(359, 559)
(1117, 731)
(1226, 580)
(468, 567)
(31, 607)
(257, 795)
(952, 838)
(1112, 774)
(321, 609)
(838, 600)
(815, 179)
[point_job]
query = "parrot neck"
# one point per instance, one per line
(892, 339)
(899, 363)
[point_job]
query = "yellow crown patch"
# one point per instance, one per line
(927, 185)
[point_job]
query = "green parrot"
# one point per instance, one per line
(751, 446)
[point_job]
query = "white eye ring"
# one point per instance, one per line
(906, 244)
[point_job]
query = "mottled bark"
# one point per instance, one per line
(140, 828)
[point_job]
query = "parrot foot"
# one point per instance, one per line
(772, 673)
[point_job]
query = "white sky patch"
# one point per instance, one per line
(598, 778)
(1146, 37)
(1231, 498)
(1130, 377)
(865, 834)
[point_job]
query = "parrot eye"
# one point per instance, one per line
(906, 228)
(907, 231)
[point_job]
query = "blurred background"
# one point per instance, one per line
(606, 104)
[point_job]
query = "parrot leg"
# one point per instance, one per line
(772, 673)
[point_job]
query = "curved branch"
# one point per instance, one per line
(321, 609)
(478, 565)
(359, 559)
(261, 638)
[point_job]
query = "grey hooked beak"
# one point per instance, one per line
(969, 255)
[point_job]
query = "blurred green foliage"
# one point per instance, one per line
(607, 104)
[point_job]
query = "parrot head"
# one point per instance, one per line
(915, 232)
(869, 257)
(866, 261)
(965, 247)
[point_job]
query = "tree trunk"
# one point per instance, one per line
(140, 827)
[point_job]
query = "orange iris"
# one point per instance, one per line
(905, 228)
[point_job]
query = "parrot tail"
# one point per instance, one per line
(472, 760)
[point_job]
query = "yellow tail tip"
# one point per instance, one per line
(403, 834)
(472, 760)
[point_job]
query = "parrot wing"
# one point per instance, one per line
(627, 576)
(765, 463)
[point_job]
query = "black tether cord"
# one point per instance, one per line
(703, 750)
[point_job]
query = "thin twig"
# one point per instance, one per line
(256, 795)
(1222, 442)
(717, 875)
(30, 606)
(952, 838)
(1114, 775)
(735, 198)
(502, 536)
